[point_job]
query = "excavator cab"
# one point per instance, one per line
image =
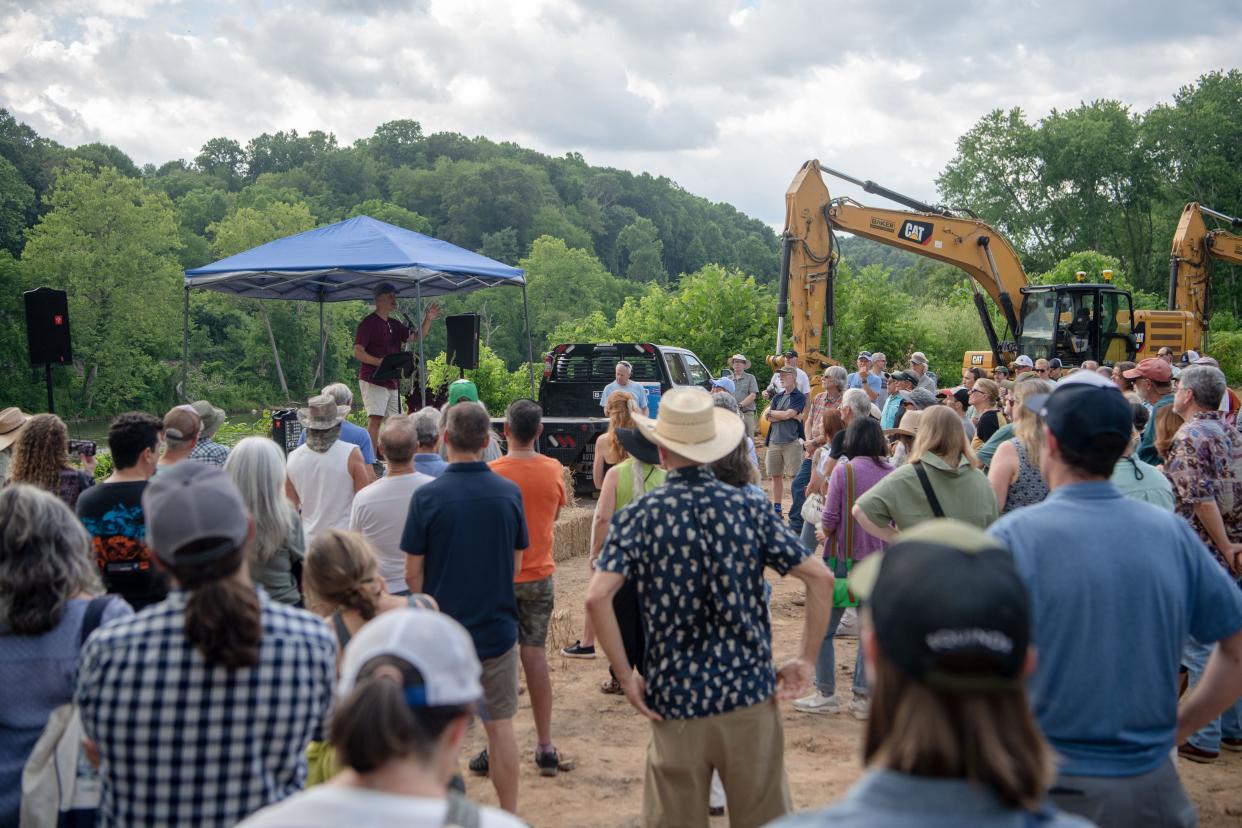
(1076, 323)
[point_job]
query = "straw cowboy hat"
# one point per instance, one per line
(12, 421)
(691, 425)
(322, 412)
(739, 357)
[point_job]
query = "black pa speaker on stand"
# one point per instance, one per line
(47, 332)
(463, 340)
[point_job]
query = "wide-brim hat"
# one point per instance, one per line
(211, 416)
(638, 446)
(12, 421)
(739, 357)
(322, 412)
(908, 426)
(691, 425)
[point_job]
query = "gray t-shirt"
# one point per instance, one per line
(746, 385)
(887, 799)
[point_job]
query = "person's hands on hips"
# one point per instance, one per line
(794, 679)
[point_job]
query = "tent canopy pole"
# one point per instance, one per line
(185, 345)
(530, 348)
(422, 366)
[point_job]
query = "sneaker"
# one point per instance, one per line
(1194, 754)
(777, 507)
(1231, 744)
(612, 687)
(860, 708)
(576, 650)
(478, 765)
(817, 702)
(716, 810)
(548, 763)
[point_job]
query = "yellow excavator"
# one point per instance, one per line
(1076, 322)
(1195, 248)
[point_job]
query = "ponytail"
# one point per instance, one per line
(222, 616)
(375, 724)
(340, 568)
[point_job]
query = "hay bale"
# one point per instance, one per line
(568, 474)
(561, 630)
(573, 533)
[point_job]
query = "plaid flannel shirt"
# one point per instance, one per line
(210, 452)
(182, 742)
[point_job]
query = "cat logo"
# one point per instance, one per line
(976, 359)
(919, 232)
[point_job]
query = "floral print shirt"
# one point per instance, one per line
(696, 548)
(1205, 463)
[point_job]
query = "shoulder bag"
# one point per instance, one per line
(843, 545)
(925, 482)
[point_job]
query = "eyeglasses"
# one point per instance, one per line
(1041, 370)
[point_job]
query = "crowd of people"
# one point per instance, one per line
(1034, 564)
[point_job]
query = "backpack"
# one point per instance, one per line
(60, 787)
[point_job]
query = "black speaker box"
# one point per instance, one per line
(47, 327)
(463, 340)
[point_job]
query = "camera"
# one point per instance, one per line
(86, 447)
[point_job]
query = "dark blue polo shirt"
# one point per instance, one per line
(467, 524)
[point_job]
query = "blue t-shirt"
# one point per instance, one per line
(430, 463)
(637, 390)
(1116, 586)
(888, 417)
(888, 799)
(467, 524)
(876, 383)
(355, 434)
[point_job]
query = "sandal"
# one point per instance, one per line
(612, 687)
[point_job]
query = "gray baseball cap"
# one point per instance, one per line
(191, 502)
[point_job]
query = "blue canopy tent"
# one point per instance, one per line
(345, 261)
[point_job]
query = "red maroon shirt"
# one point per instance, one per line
(379, 338)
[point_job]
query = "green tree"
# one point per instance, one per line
(17, 207)
(388, 212)
(498, 386)
(22, 386)
(112, 243)
(642, 252)
(396, 143)
(223, 158)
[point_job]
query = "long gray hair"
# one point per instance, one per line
(258, 470)
(45, 559)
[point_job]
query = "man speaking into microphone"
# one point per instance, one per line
(378, 336)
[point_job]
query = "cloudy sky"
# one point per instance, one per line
(726, 97)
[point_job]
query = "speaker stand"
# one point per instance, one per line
(47, 367)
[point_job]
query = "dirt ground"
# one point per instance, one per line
(608, 740)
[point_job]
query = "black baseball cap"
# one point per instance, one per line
(790, 353)
(639, 446)
(1080, 413)
(948, 607)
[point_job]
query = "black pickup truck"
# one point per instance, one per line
(574, 376)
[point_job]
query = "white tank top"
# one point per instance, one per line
(324, 487)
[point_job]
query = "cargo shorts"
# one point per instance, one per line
(534, 608)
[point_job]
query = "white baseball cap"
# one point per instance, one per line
(1024, 361)
(434, 644)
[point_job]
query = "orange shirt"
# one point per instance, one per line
(542, 482)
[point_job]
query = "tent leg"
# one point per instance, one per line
(422, 366)
(323, 344)
(185, 346)
(530, 348)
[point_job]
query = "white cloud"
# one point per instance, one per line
(726, 97)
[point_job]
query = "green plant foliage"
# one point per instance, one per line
(498, 386)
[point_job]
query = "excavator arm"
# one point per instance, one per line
(810, 256)
(1190, 265)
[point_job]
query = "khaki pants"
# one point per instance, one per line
(748, 418)
(746, 746)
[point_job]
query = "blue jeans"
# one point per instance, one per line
(797, 490)
(826, 664)
(1228, 724)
